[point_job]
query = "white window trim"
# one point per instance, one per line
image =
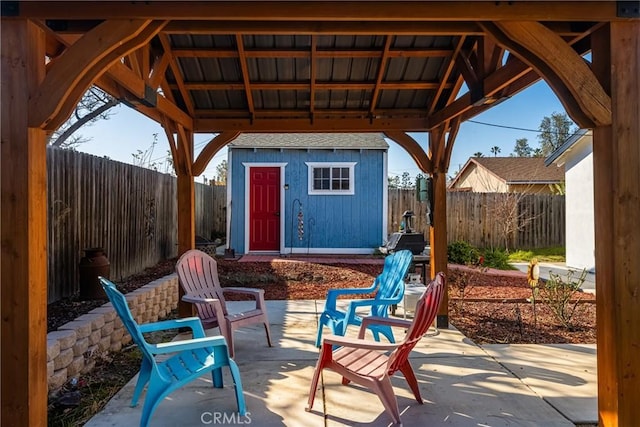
(352, 187)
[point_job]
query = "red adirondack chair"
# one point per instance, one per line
(369, 363)
(198, 274)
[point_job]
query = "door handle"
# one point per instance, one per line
(277, 214)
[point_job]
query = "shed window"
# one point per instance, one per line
(331, 178)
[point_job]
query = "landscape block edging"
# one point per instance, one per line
(74, 347)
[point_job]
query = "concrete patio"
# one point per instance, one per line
(463, 384)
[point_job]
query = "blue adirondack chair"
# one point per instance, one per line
(192, 358)
(388, 288)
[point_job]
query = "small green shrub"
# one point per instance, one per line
(496, 258)
(462, 253)
(559, 292)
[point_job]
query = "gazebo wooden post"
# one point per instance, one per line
(438, 240)
(616, 153)
(24, 230)
(603, 154)
(186, 204)
(438, 230)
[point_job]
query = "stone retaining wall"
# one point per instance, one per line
(73, 349)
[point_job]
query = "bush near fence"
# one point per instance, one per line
(129, 211)
(475, 218)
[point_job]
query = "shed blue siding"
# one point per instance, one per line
(330, 221)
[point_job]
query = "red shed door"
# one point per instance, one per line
(264, 209)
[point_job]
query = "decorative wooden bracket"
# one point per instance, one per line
(211, 149)
(185, 149)
(413, 148)
(564, 70)
(83, 62)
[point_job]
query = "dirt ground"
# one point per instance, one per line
(488, 308)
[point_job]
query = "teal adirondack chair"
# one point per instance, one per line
(388, 288)
(192, 358)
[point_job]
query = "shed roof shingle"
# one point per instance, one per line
(311, 140)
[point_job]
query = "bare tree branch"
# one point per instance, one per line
(60, 140)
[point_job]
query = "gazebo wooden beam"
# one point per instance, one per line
(306, 53)
(244, 72)
(299, 85)
(323, 27)
(175, 69)
(382, 67)
(313, 76)
(120, 80)
(384, 11)
(158, 69)
(126, 78)
(318, 124)
(83, 62)
(493, 83)
(446, 75)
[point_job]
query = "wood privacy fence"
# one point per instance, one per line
(496, 220)
(129, 211)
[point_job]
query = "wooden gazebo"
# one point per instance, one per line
(317, 66)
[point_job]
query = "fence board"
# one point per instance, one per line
(129, 211)
(477, 218)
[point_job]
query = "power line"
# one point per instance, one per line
(195, 145)
(504, 126)
(517, 128)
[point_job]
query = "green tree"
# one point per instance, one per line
(522, 148)
(405, 180)
(478, 154)
(394, 181)
(554, 131)
(495, 150)
(221, 172)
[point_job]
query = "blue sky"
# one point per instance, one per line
(127, 131)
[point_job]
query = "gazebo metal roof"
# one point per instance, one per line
(223, 67)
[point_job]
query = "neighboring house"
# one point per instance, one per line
(307, 193)
(575, 159)
(507, 175)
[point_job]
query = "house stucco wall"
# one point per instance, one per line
(481, 181)
(580, 207)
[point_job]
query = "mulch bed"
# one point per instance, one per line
(496, 308)
(493, 308)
